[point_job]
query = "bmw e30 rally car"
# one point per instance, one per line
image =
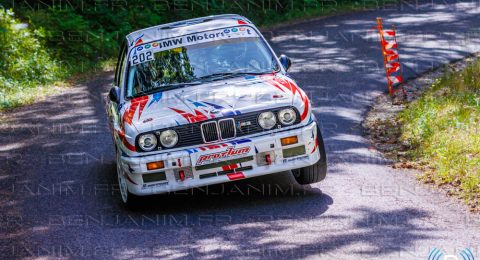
(206, 101)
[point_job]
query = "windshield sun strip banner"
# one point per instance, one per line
(144, 52)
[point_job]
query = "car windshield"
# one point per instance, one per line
(198, 63)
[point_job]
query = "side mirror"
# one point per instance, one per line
(114, 94)
(286, 62)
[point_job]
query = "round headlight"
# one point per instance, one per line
(168, 138)
(267, 120)
(287, 116)
(147, 142)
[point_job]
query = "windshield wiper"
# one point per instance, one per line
(166, 87)
(225, 75)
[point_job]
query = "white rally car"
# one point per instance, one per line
(207, 101)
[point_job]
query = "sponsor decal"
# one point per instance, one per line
(145, 186)
(186, 40)
(230, 153)
(295, 158)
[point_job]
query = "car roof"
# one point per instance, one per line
(184, 27)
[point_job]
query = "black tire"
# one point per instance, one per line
(318, 171)
(134, 202)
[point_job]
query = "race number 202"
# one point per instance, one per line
(142, 57)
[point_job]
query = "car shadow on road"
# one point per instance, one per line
(251, 193)
(258, 218)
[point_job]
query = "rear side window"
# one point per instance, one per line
(120, 65)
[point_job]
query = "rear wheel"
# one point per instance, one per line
(129, 200)
(316, 172)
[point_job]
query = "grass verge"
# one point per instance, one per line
(442, 131)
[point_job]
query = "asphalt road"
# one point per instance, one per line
(57, 176)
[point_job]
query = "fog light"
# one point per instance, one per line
(155, 165)
(289, 140)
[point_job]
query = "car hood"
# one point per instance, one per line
(216, 99)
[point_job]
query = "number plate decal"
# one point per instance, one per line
(141, 58)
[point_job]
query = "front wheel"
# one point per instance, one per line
(316, 172)
(129, 200)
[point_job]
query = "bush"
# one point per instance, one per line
(24, 63)
(90, 31)
(81, 34)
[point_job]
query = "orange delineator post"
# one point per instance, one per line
(391, 59)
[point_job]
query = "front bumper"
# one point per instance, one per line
(222, 162)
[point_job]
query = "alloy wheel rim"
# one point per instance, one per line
(121, 181)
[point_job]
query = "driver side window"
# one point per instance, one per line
(120, 61)
(121, 67)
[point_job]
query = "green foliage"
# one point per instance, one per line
(73, 39)
(24, 63)
(89, 31)
(81, 34)
(443, 127)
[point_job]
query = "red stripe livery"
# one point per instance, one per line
(130, 112)
(198, 117)
(124, 140)
(282, 84)
(316, 145)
